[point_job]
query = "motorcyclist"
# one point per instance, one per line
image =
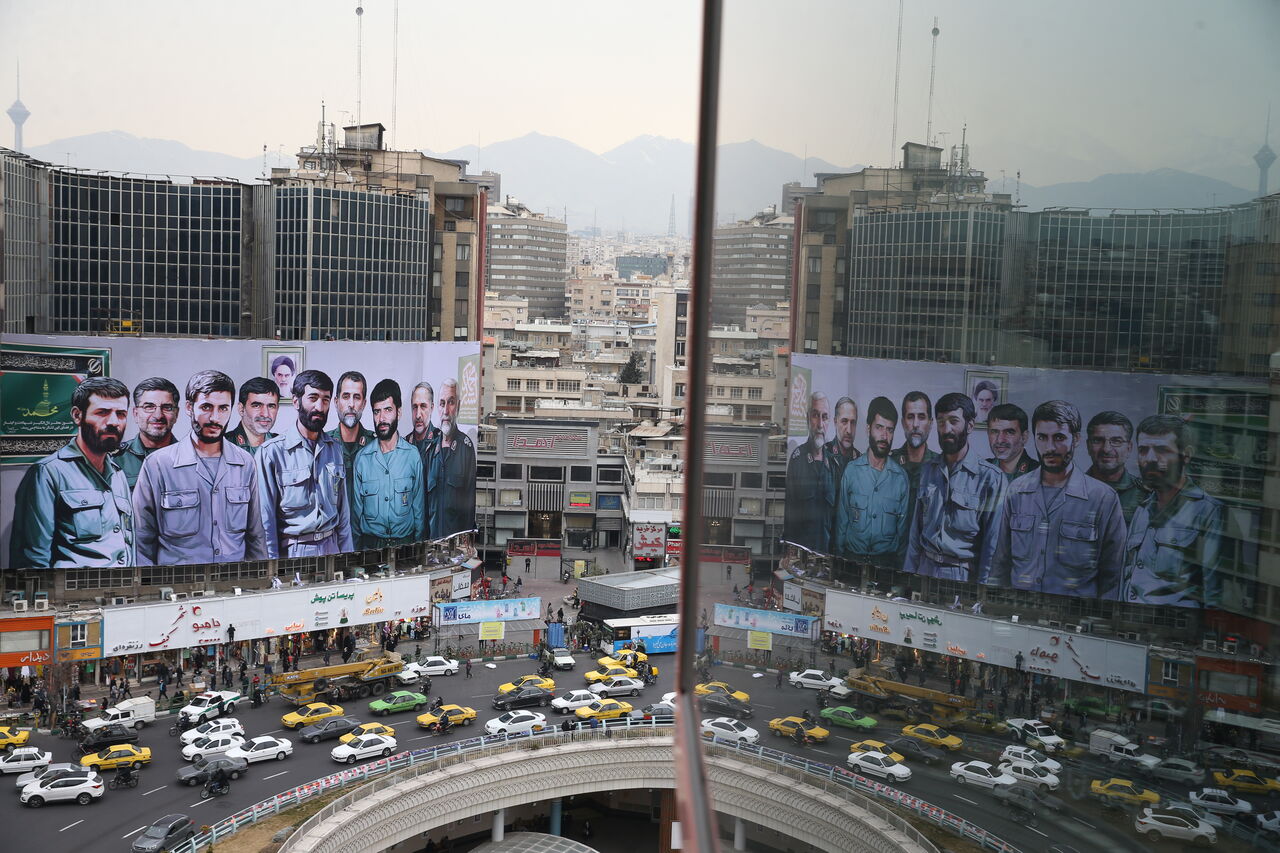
(218, 781)
(438, 703)
(444, 724)
(808, 715)
(822, 697)
(124, 775)
(798, 735)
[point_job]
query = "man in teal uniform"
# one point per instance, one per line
(1110, 442)
(72, 508)
(155, 410)
(258, 407)
(389, 479)
(871, 522)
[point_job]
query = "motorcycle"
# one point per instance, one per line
(564, 577)
(213, 789)
(123, 780)
(182, 725)
(441, 728)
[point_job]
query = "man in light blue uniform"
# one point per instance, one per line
(72, 508)
(1177, 537)
(302, 479)
(196, 501)
(871, 522)
(389, 479)
(1059, 530)
(956, 502)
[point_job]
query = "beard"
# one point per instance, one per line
(106, 440)
(953, 443)
(312, 419)
(880, 449)
(384, 431)
(915, 439)
(203, 436)
(350, 419)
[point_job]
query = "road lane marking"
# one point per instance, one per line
(273, 731)
(135, 832)
(274, 775)
(1037, 832)
(68, 826)
(1085, 822)
(152, 791)
(966, 799)
(200, 803)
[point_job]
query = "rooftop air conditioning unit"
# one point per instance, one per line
(179, 596)
(1209, 644)
(339, 575)
(1054, 623)
(119, 599)
(166, 594)
(915, 596)
(20, 605)
(42, 604)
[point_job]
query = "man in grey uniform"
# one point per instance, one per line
(72, 508)
(155, 410)
(1177, 536)
(451, 471)
(302, 479)
(1059, 530)
(956, 502)
(197, 501)
(390, 483)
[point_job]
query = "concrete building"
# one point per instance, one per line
(504, 313)
(770, 322)
(652, 265)
(527, 257)
(751, 264)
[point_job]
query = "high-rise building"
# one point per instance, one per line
(751, 265)
(526, 256)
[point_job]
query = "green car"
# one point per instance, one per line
(848, 717)
(401, 700)
(1092, 706)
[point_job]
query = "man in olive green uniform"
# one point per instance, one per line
(421, 402)
(155, 410)
(259, 404)
(451, 472)
(1007, 436)
(1109, 440)
(72, 508)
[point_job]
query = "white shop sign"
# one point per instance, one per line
(143, 628)
(1077, 657)
(791, 596)
(461, 585)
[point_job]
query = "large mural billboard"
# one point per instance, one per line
(1133, 487)
(121, 452)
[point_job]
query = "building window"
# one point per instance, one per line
(514, 384)
(568, 385)
(755, 394)
(719, 390)
(580, 473)
(723, 479)
(777, 481)
(609, 475)
(450, 225)
(750, 480)
(511, 472)
(464, 252)
(546, 474)
(509, 497)
(735, 392)
(815, 263)
(679, 390)
(455, 205)
(776, 509)
(1169, 672)
(484, 497)
(749, 506)
(484, 470)
(79, 634)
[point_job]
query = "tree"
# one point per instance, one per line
(631, 372)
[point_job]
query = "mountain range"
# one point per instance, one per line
(631, 187)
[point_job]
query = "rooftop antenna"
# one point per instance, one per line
(18, 114)
(395, 67)
(897, 76)
(1265, 157)
(1017, 197)
(359, 58)
(264, 159)
(933, 67)
(671, 219)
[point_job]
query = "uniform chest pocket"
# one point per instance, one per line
(179, 513)
(295, 488)
(1078, 545)
(1022, 537)
(403, 497)
(369, 498)
(85, 509)
(961, 514)
(238, 498)
(125, 510)
(1176, 537)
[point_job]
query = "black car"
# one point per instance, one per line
(165, 834)
(199, 772)
(523, 697)
(107, 736)
(909, 747)
(327, 729)
(656, 710)
(724, 705)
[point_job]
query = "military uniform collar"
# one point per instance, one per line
(185, 454)
(71, 452)
(295, 440)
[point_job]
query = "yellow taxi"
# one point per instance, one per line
(459, 715)
(528, 681)
(787, 726)
(603, 709)
(933, 736)
(121, 755)
(1123, 791)
(720, 687)
(623, 657)
(12, 737)
(1246, 780)
(308, 714)
(609, 672)
(368, 729)
(876, 746)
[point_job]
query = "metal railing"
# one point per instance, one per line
(386, 772)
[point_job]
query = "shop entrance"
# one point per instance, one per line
(545, 525)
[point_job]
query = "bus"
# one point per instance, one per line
(658, 632)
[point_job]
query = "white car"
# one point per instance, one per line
(562, 658)
(431, 666)
(1018, 754)
(669, 698)
(210, 704)
(83, 789)
(980, 773)
(617, 685)
(366, 746)
(1190, 812)
(24, 759)
(49, 771)
(567, 703)
(223, 725)
(815, 678)
(1030, 774)
(727, 728)
(1269, 822)
(1218, 800)
(211, 745)
(516, 723)
(1159, 825)
(877, 764)
(262, 748)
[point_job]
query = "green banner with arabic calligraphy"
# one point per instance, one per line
(36, 383)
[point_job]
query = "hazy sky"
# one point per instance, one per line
(1062, 91)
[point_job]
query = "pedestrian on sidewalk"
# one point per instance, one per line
(468, 667)
(164, 688)
(728, 573)
(126, 693)
(781, 677)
